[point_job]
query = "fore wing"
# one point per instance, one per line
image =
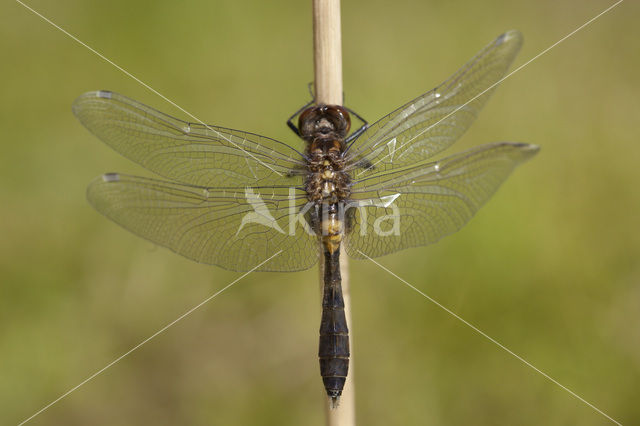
(191, 153)
(432, 122)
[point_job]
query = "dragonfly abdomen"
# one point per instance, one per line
(333, 350)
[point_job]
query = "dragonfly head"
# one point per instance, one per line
(324, 122)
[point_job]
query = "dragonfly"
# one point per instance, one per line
(233, 199)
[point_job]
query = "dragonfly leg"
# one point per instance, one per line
(310, 88)
(290, 123)
(353, 136)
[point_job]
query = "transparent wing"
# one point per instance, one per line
(415, 206)
(236, 229)
(190, 153)
(428, 124)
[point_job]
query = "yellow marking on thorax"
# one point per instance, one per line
(328, 174)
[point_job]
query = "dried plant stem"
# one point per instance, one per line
(327, 44)
(328, 90)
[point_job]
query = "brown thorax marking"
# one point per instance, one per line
(324, 128)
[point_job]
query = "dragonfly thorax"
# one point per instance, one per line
(324, 128)
(326, 181)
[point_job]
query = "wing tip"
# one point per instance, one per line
(526, 150)
(102, 94)
(529, 147)
(110, 177)
(105, 94)
(106, 178)
(508, 36)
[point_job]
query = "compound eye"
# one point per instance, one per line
(304, 117)
(306, 121)
(341, 118)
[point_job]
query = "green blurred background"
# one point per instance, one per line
(549, 267)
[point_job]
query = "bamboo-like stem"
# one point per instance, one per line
(327, 45)
(327, 49)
